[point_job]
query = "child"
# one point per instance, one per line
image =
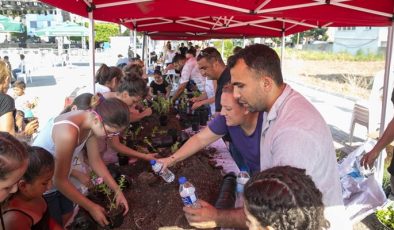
(22, 101)
(65, 136)
(159, 85)
(283, 198)
(13, 164)
(27, 209)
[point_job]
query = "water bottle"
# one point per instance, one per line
(242, 178)
(166, 174)
(187, 192)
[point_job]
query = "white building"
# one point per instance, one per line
(38, 21)
(359, 39)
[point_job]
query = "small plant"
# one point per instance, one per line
(161, 105)
(154, 131)
(175, 147)
(100, 186)
(147, 142)
(196, 94)
(386, 216)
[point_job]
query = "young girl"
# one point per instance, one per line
(159, 85)
(13, 163)
(27, 209)
(65, 136)
(283, 198)
(107, 78)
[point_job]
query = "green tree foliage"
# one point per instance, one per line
(228, 47)
(104, 31)
(319, 34)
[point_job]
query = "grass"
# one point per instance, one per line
(330, 56)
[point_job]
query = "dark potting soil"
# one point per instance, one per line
(154, 203)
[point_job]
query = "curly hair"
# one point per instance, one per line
(133, 71)
(285, 198)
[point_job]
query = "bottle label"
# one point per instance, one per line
(189, 200)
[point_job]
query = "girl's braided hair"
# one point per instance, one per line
(285, 198)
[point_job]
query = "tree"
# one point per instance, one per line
(318, 34)
(104, 31)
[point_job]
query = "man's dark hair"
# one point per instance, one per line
(211, 54)
(6, 58)
(192, 51)
(178, 57)
(285, 197)
(261, 59)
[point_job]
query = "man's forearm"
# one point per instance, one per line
(232, 218)
(179, 91)
(387, 137)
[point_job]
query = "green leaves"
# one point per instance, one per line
(386, 216)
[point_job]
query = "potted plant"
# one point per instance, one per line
(386, 217)
(114, 213)
(162, 106)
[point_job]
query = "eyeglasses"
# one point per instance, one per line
(107, 134)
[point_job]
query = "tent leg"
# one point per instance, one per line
(282, 49)
(389, 52)
(135, 42)
(92, 48)
(143, 47)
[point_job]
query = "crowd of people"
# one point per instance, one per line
(273, 132)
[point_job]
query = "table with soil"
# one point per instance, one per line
(153, 202)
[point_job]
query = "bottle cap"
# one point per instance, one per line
(182, 180)
(152, 162)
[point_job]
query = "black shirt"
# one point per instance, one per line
(7, 104)
(156, 87)
(224, 78)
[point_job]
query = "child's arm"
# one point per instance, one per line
(14, 220)
(123, 149)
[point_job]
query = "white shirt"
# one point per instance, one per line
(210, 91)
(190, 71)
(101, 88)
(295, 134)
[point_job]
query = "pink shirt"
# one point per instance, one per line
(294, 133)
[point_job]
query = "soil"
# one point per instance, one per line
(153, 202)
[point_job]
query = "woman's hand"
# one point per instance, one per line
(98, 214)
(150, 156)
(121, 200)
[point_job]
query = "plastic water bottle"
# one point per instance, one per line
(242, 178)
(166, 174)
(187, 192)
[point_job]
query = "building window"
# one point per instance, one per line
(33, 24)
(368, 28)
(49, 23)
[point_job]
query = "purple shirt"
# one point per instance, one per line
(248, 146)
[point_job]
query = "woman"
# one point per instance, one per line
(7, 108)
(159, 85)
(65, 136)
(107, 78)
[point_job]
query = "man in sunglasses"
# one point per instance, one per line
(212, 66)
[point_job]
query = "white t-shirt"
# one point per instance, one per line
(295, 134)
(210, 91)
(190, 71)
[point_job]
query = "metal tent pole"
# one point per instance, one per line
(387, 68)
(135, 42)
(92, 47)
(282, 49)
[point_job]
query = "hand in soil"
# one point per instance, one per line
(98, 214)
(121, 200)
(203, 217)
